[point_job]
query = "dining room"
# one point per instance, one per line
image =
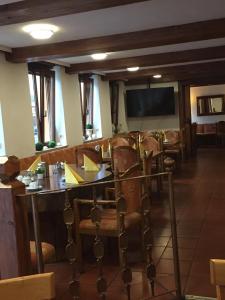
(111, 148)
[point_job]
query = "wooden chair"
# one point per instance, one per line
(123, 139)
(123, 157)
(119, 141)
(147, 166)
(94, 155)
(217, 276)
(34, 287)
(110, 219)
(150, 144)
(175, 145)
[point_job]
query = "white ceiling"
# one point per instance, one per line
(133, 17)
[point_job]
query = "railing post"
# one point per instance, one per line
(71, 248)
(174, 237)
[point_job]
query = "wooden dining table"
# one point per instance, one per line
(45, 198)
(56, 179)
(15, 204)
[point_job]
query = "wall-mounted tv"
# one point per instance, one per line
(150, 102)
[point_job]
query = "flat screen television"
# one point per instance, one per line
(150, 102)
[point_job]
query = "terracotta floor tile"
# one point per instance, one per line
(200, 267)
(185, 242)
(200, 285)
(161, 241)
(162, 232)
(166, 266)
(184, 254)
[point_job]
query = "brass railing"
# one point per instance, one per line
(126, 273)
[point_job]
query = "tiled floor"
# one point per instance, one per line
(200, 205)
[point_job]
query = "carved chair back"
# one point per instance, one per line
(123, 157)
(149, 143)
(130, 189)
(172, 136)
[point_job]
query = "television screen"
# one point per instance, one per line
(150, 102)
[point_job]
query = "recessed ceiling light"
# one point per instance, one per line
(133, 69)
(99, 56)
(157, 76)
(40, 31)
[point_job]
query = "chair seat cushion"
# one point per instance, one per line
(48, 252)
(109, 222)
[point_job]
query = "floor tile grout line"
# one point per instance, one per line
(197, 243)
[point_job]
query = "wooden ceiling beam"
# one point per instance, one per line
(203, 30)
(177, 72)
(195, 80)
(151, 60)
(24, 11)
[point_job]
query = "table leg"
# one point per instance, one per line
(36, 223)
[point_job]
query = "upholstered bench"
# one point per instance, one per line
(66, 154)
(206, 134)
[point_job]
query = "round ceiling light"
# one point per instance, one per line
(99, 56)
(41, 31)
(157, 76)
(133, 69)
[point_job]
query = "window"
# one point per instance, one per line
(86, 93)
(42, 90)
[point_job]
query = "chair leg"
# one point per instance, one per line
(120, 255)
(143, 254)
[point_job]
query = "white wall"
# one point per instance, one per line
(205, 91)
(97, 123)
(156, 122)
(59, 109)
(2, 138)
(72, 107)
(16, 109)
(102, 108)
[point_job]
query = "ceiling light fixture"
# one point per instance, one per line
(133, 69)
(157, 76)
(99, 56)
(41, 31)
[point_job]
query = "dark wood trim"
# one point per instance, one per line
(27, 10)
(203, 30)
(203, 80)
(151, 60)
(181, 72)
(211, 80)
